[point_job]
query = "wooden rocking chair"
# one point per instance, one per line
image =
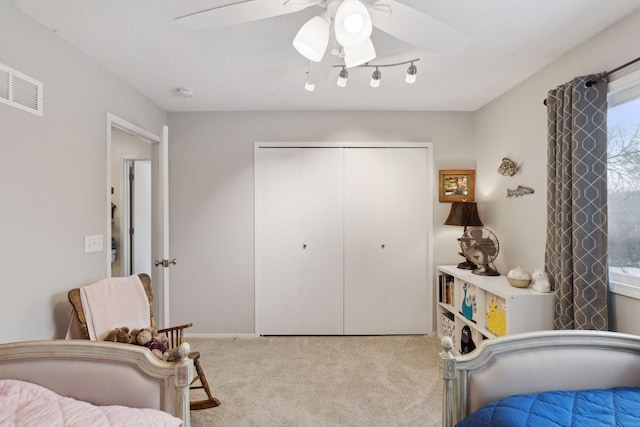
(174, 334)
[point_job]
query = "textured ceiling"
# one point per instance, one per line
(254, 67)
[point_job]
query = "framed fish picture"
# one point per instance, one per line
(458, 185)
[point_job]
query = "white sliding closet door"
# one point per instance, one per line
(386, 232)
(407, 233)
(300, 270)
(322, 228)
(280, 217)
(365, 241)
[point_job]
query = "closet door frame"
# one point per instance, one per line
(257, 208)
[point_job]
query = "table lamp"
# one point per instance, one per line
(464, 214)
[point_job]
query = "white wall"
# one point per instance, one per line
(211, 186)
(53, 176)
(52, 179)
(515, 126)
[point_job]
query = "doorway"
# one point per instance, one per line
(136, 235)
(142, 146)
(131, 182)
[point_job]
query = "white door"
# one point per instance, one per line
(160, 210)
(299, 241)
(279, 246)
(365, 241)
(322, 250)
(160, 252)
(406, 253)
(386, 235)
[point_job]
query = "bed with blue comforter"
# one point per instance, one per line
(618, 406)
(546, 378)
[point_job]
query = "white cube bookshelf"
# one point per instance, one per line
(500, 309)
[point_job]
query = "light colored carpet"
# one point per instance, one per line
(321, 381)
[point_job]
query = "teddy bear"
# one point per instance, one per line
(121, 334)
(148, 337)
(540, 281)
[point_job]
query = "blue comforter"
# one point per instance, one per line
(612, 407)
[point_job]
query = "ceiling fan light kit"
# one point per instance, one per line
(376, 77)
(352, 21)
(312, 39)
(352, 24)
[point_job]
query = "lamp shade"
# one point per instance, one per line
(312, 39)
(464, 214)
(352, 23)
(358, 55)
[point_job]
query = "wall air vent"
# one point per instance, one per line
(20, 91)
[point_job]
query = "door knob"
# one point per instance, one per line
(165, 262)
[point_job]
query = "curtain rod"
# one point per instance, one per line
(604, 75)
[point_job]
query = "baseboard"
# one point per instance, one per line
(234, 336)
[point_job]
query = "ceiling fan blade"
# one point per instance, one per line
(238, 13)
(417, 28)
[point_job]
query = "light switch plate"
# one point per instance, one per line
(93, 243)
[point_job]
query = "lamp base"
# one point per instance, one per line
(467, 265)
(485, 270)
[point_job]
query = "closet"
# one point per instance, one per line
(342, 237)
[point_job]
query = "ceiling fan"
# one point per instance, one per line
(352, 21)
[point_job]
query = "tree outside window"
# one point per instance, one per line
(623, 182)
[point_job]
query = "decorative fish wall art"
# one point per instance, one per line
(519, 191)
(508, 167)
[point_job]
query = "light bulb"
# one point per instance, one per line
(411, 74)
(352, 23)
(375, 78)
(342, 78)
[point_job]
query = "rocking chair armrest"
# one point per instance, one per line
(175, 328)
(175, 334)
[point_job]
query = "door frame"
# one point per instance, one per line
(257, 220)
(159, 149)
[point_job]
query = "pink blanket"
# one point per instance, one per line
(114, 302)
(27, 404)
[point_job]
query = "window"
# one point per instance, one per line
(623, 185)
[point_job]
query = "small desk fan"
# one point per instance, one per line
(481, 247)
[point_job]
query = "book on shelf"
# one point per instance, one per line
(446, 290)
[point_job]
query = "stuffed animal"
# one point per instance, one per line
(121, 334)
(540, 281)
(148, 337)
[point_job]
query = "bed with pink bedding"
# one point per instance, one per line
(91, 383)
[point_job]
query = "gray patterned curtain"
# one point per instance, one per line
(576, 248)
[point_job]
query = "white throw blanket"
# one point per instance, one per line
(114, 302)
(30, 405)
